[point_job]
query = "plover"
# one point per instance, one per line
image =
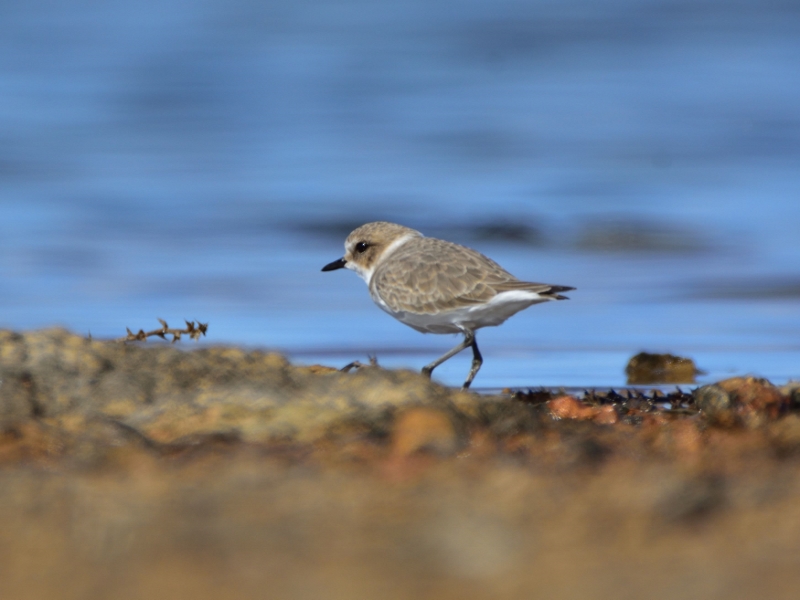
(436, 286)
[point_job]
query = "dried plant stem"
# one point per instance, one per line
(192, 329)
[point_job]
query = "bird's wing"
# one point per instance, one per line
(430, 276)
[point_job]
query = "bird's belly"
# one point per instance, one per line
(471, 317)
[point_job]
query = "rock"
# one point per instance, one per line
(64, 395)
(715, 403)
(167, 394)
(753, 391)
(646, 368)
(740, 400)
(569, 407)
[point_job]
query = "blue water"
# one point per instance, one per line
(204, 160)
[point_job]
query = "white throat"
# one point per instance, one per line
(366, 272)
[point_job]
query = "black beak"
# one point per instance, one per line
(337, 264)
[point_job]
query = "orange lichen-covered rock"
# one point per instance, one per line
(742, 400)
(758, 393)
(569, 407)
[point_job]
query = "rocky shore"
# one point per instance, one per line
(151, 471)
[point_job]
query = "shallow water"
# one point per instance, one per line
(205, 160)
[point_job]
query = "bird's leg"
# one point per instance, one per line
(477, 361)
(469, 340)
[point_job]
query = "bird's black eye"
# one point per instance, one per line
(361, 247)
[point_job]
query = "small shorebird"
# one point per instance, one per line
(436, 286)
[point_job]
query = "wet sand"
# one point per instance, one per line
(143, 470)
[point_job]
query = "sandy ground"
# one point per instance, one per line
(136, 471)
